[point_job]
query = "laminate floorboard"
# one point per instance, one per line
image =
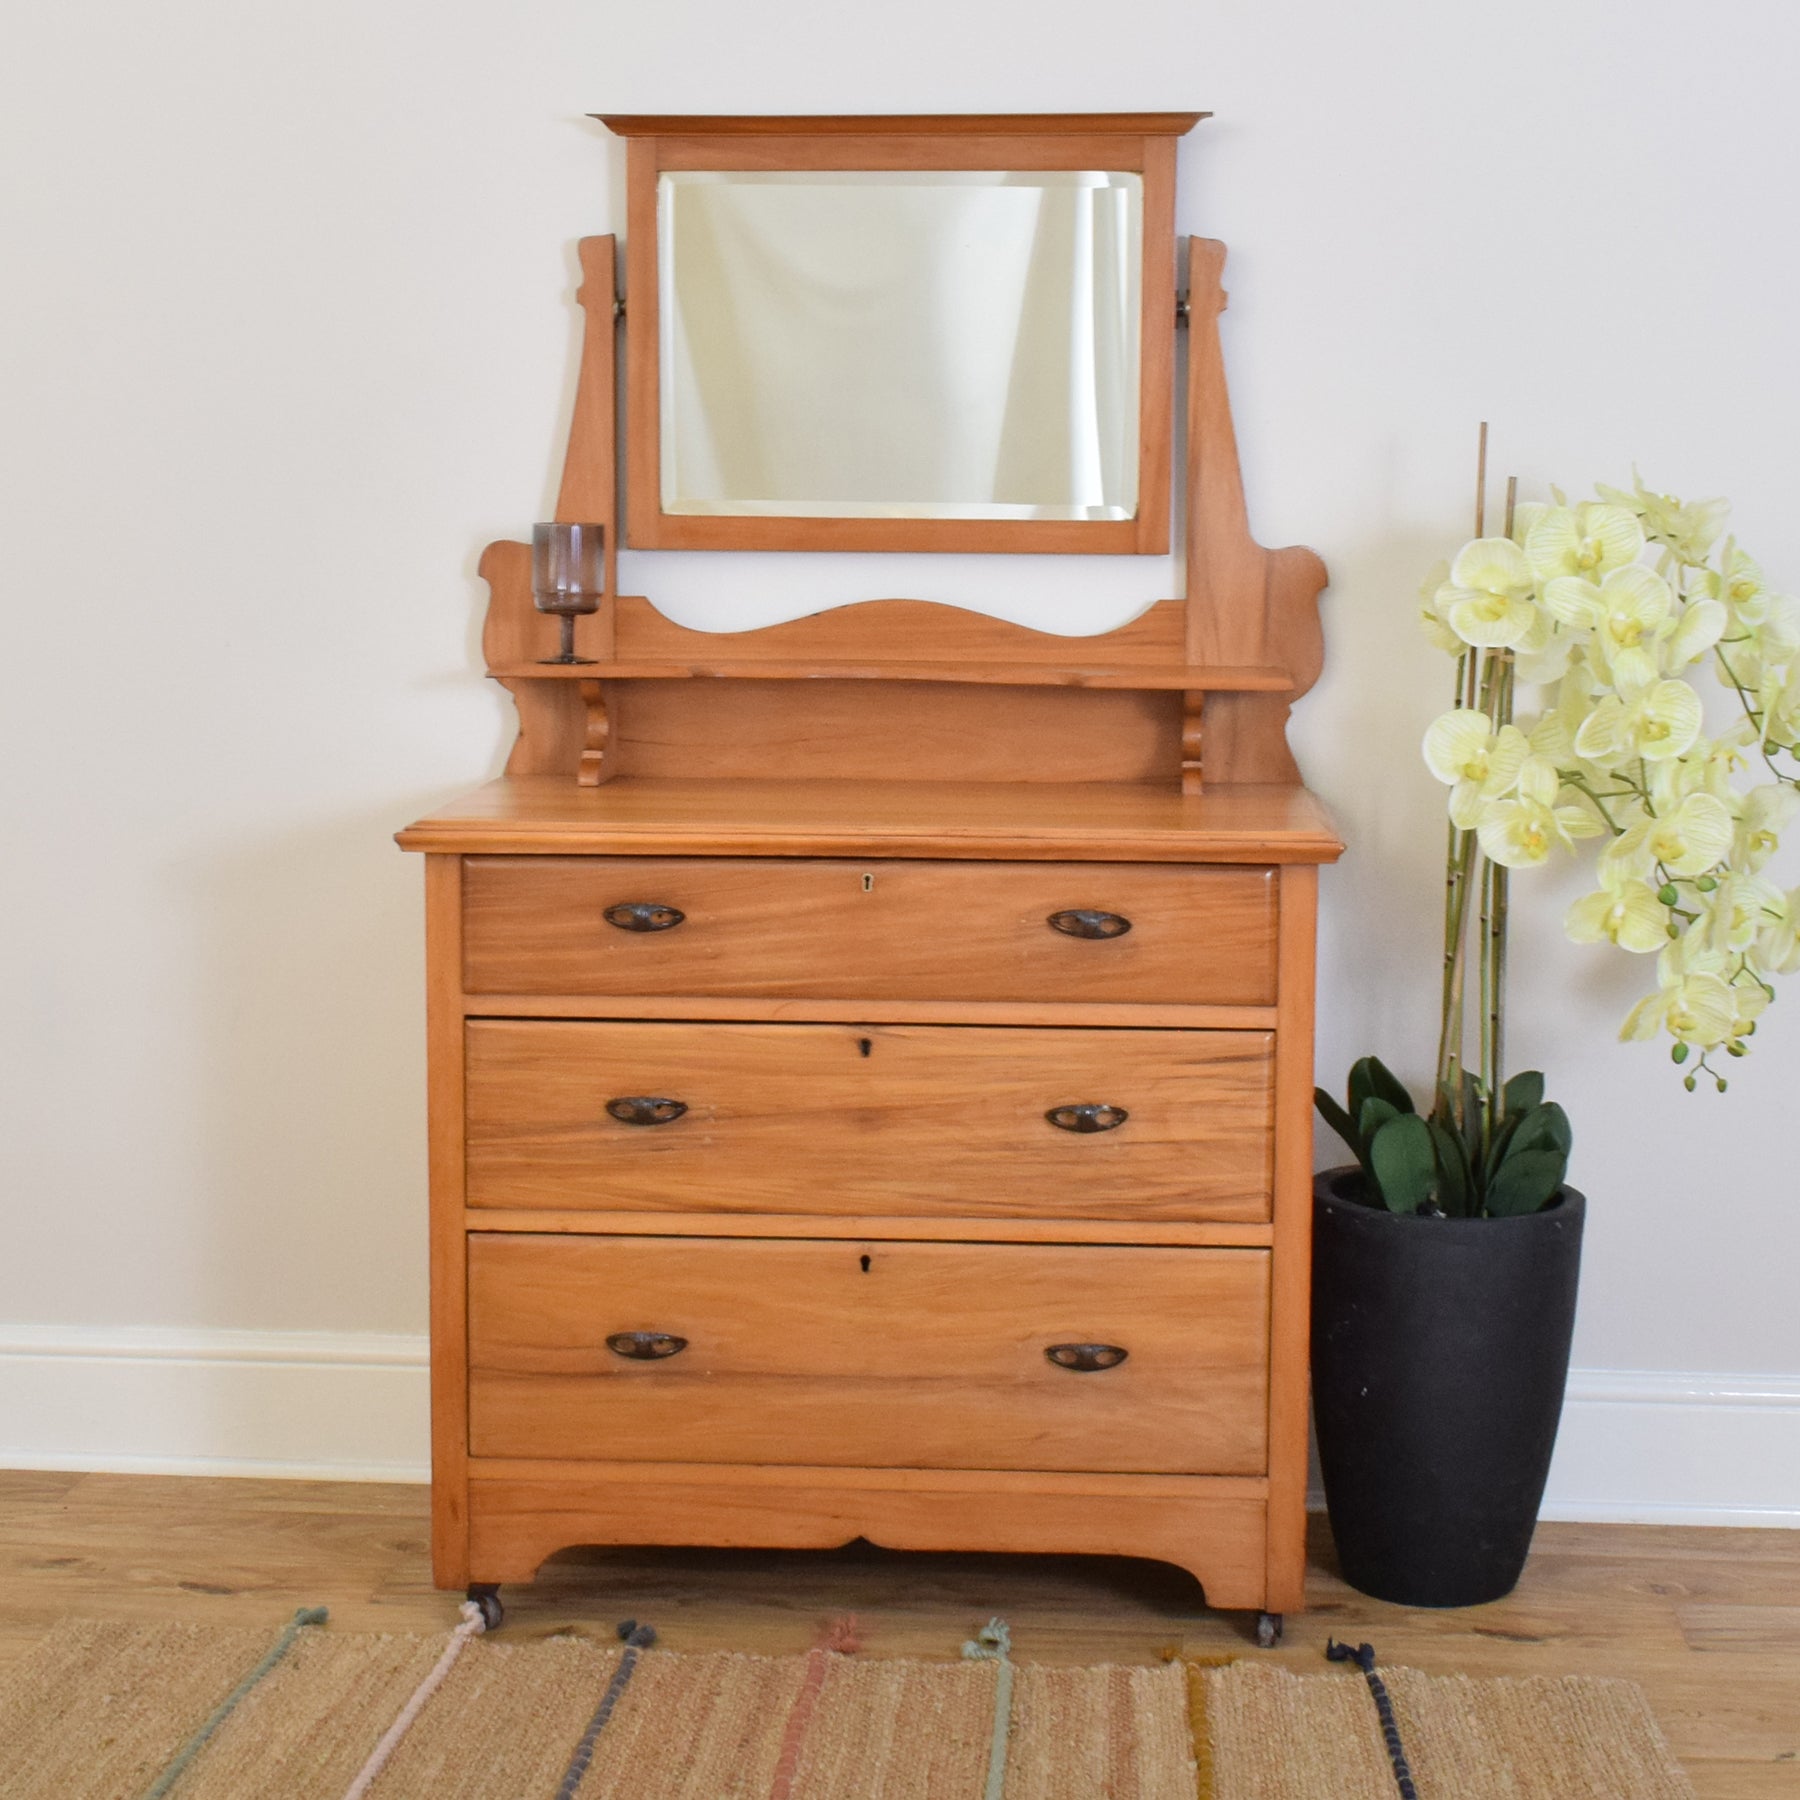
(1708, 1621)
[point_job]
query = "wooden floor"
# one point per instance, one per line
(1707, 1621)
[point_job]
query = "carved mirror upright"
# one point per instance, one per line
(872, 1055)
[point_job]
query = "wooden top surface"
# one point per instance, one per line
(855, 124)
(1032, 821)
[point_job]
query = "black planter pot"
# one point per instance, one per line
(1440, 1348)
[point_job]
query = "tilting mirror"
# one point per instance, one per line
(900, 333)
(957, 344)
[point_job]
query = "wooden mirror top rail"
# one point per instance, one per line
(1194, 691)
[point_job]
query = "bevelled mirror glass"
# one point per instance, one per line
(916, 344)
(900, 333)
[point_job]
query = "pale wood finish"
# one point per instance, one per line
(1146, 146)
(1216, 1536)
(853, 730)
(875, 1012)
(882, 928)
(934, 1227)
(449, 1265)
(866, 815)
(564, 730)
(841, 1354)
(983, 821)
(851, 1119)
(628, 125)
(1245, 604)
(1290, 1301)
(1643, 1602)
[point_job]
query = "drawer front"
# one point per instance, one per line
(876, 931)
(899, 1355)
(972, 1120)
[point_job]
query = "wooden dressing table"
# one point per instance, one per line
(871, 1057)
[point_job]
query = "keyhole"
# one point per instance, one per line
(865, 1045)
(865, 1264)
(868, 884)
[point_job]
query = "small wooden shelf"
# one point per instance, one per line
(1214, 678)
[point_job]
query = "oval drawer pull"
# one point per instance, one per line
(643, 915)
(646, 1109)
(646, 1346)
(1084, 1359)
(1087, 1118)
(1085, 922)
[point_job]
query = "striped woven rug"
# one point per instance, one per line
(129, 1712)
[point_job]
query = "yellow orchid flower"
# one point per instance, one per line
(1625, 911)
(1740, 587)
(1655, 720)
(1628, 613)
(1521, 832)
(1689, 529)
(1778, 945)
(1478, 763)
(1760, 816)
(1431, 616)
(1488, 598)
(1686, 842)
(1588, 541)
(1736, 913)
(1695, 1009)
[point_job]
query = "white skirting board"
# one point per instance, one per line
(1651, 1446)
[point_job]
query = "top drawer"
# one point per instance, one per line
(881, 930)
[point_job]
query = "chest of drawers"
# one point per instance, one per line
(871, 1065)
(952, 1201)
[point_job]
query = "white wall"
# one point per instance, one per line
(287, 338)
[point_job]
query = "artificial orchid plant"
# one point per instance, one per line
(1611, 608)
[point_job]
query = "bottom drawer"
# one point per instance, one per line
(873, 1354)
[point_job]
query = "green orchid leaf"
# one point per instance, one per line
(1371, 1078)
(1455, 1180)
(1372, 1115)
(1341, 1122)
(1545, 1127)
(1404, 1162)
(1522, 1093)
(1525, 1183)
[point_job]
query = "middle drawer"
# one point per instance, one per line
(973, 1120)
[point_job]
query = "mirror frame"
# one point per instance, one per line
(1137, 143)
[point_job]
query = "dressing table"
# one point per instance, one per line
(871, 1056)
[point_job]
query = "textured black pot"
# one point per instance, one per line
(1440, 1348)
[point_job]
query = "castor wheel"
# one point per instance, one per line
(1268, 1630)
(486, 1595)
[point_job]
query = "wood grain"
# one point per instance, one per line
(628, 125)
(873, 1355)
(1291, 1193)
(448, 1262)
(847, 1119)
(1244, 603)
(893, 929)
(1214, 1535)
(857, 730)
(1006, 821)
(934, 1227)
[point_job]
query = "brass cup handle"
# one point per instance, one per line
(1084, 1119)
(646, 1346)
(1084, 1359)
(646, 1109)
(1086, 922)
(643, 915)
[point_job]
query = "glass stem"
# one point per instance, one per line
(568, 637)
